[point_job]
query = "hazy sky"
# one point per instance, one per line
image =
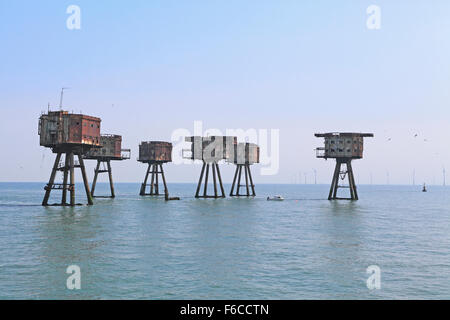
(148, 68)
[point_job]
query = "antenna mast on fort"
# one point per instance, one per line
(61, 98)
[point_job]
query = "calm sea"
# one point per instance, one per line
(303, 248)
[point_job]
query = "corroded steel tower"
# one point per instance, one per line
(344, 147)
(210, 150)
(245, 155)
(68, 134)
(155, 154)
(111, 150)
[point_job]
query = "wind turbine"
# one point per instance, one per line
(443, 172)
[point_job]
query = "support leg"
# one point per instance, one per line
(351, 178)
(200, 180)
(205, 190)
(239, 181)
(66, 174)
(152, 181)
(220, 181)
(251, 181)
(350, 182)
(214, 179)
(246, 180)
(49, 186)
(94, 183)
(111, 183)
(334, 181)
(85, 180)
(155, 166)
(166, 191)
(72, 179)
(234, 181)
(144, 185)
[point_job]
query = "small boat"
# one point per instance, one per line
(275, 198)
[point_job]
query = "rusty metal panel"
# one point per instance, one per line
(155, 151)
(51, 129)
(111, 148)
(72, 129)
(212, 149)
(90, 131)
(229, 146)
(245, 153)
(196, 147)
(252, 153)
(58, 128)
(117, 146)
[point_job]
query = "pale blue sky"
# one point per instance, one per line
(298, 66)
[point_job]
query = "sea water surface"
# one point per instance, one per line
(306, 247)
